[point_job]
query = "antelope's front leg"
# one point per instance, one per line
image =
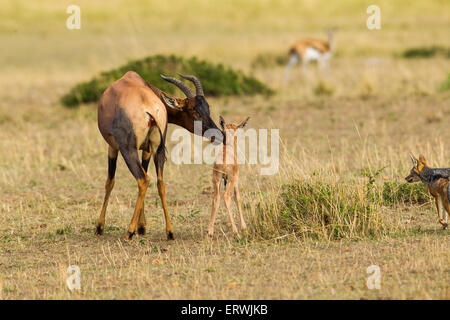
(159, 160)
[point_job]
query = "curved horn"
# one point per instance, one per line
(198, 85)
(182, 86)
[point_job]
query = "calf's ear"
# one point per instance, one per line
(244, 123)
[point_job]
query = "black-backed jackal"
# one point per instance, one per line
(438, 182)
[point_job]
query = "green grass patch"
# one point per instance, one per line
(217, 79)
(320, 210)
(426, 52)
(395, 193)
(445, 86)
(323, 89)
(65, 230)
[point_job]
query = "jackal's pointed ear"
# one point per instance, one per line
(222, 122)
(243, 123)
(170, 101)
(414, 160)
(423, 160)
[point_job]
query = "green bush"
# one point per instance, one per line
(217, 79)
(426, 52)
(395, 193)
(320, 210)
(446, 84)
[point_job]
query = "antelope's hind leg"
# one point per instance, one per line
(132, 160)
(123, 132)
(109, 185)
(142, 222)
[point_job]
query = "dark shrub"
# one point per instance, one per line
(426, 52)
(217, 79)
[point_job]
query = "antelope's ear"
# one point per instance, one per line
(222, 122)
(423, 160)
(414, 160)
(170, 101)
(244, 123)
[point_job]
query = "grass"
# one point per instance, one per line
(323, 89)
(445, 86)
(320, 211)
(217, 80)
(395, 193)
(54, 161)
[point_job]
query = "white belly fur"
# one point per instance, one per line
(312, 54)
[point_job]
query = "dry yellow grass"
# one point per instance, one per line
(53, 160)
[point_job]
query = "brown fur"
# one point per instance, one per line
(437, 187)
(130, 98)
(301, 45)
(228, 170)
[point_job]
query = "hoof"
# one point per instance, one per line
(99, 230)
(170, 236)
(444, 226)
(129, 236)
(141, 231)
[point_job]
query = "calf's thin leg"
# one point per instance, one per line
(227, 199)
(216, 201)
(237, 199)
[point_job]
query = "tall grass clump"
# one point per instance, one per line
(320, 210)
(217, 79)
(396, 193)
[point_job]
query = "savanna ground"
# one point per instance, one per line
(379, 107)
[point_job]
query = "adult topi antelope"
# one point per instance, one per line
(132, 116)
(308, 50)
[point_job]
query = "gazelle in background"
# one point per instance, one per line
(132, 116)
(226, 168)
(308, 50)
